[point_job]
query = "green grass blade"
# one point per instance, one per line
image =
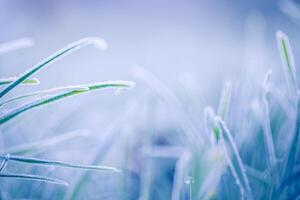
(29, 81)
(59, 54)
(288, 61)
(234, 159)
(45, 144)
(62, 95)
(33, 178)
(266, 120)
(36, 161)
(43, 92)
(15, 45)
(225, 100)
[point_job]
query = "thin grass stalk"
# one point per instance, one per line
(209, 116)
(52, 98)
(266, 121)
(288, 62)
(225, 101)
(234, 160)
(59, 54)
(268, 135)
(43, 93)
(33, 178)
(36, 161)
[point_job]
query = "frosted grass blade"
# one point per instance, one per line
(15, 45)
(266, 120)
(29, 81)
(52, 98)
(45, 144)
(288, 61)
(234, 159)
(36, 161)
(225, 101)
(209, 116)
(33, 178)
(98, 42)
(43, 92)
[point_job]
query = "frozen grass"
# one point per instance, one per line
(35, 161)
(190, 161)
(44, 98)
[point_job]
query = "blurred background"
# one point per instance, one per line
(191, 46)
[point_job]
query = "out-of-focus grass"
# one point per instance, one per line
(168, 156)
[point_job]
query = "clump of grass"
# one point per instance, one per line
(44, 98)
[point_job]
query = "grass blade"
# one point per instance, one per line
(45, 144)
(29, 81)
(209, 116)
(33, 178)
(59, 54)
(268, 136)
(288, 61)
(234, 159)
(266, 120)
(36, 161)
(15, 45)
(43, 92)
(62, 95)
(225, 100)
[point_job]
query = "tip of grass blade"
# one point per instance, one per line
(287, 60)
(97, 41)
(209, 116)
(31, 81)
(16, 44)
(266, 83)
